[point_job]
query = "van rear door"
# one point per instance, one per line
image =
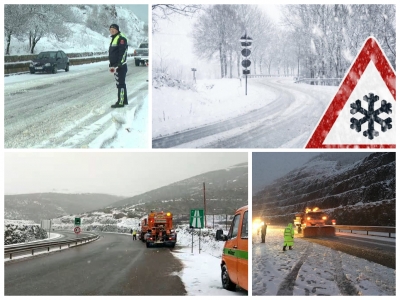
(231, 249)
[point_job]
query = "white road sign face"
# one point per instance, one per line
(341, 133)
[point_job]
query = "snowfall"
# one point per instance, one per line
(323, 271)
(126, 128)
(185, 106)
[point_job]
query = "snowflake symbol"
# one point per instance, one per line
(371, 116)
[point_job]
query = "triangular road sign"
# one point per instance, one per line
(362, 113)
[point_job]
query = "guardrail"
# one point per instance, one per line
(9, 250)
(319, 81)
(368, 229)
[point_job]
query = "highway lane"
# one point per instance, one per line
(381, 251)
(112, 265)
(49, 110)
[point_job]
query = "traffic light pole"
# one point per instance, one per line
(246, 85)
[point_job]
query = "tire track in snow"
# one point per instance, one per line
(345, 286)
(287, 285)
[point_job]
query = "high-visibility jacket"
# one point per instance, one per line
(118, 51)
(288, 235)
(134, 232)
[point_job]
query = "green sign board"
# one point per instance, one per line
(197, 218)
(77, 221)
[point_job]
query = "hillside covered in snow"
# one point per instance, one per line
(71, 28)
(359, 193)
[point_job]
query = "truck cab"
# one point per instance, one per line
(234, 263)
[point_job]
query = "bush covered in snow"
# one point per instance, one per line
(163, 79)
(20, 233)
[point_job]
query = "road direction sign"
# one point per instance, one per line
(77, 221)
(197, 218)
(77, 230)
(358, 116)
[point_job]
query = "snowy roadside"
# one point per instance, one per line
(201, 274)
(212, 101)
(321, 270)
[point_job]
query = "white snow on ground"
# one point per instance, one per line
(208, 102)
(177, 109)
(129, 128)
(201, 274)
(53, 236)
(322, 265)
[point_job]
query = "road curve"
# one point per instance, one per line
(112, 265)
(275, 125)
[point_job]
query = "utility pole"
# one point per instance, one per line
(205, 210)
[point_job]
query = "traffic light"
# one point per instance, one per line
(246, 42)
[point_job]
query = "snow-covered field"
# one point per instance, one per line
(322, 270)
(201, 274)
(177, 109)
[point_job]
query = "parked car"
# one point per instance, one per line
(234, 263)
(141, 54)
(50, 62)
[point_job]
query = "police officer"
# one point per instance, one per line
(288, 237)
(117, 55)
(134, 232)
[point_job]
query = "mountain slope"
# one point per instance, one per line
(360, 193)
(226, 190)
(50, 205)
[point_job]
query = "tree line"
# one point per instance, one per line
(311, 40)
(31, 23)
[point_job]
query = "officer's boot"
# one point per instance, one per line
(284, 248)
(121, 97)
(125, 96)
(290, 247)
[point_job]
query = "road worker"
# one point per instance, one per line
(134, 232)
(263, 232)
(288, 237)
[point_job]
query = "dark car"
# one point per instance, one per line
(50, 62)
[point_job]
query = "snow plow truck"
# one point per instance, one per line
(157, 229)
(313, 223)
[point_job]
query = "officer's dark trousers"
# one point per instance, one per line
(262, 238)
(120, 75)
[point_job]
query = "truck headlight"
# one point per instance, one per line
(47, 65)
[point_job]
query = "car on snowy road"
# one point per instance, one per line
(141, 54)
(50, 62)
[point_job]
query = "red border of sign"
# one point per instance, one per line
(77, 228)
(370, 51)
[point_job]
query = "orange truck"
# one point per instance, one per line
(157, 229)
(234, 263)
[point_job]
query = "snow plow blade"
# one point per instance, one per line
(316, 231)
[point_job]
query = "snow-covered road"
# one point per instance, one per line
(72, 109)
(312, 269)
(276, 113)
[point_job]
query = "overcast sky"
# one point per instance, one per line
(272, 165)
(140, 10)
(122, 174)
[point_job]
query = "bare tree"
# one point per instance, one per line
(164, 11)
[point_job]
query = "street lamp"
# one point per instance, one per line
(194, 74)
